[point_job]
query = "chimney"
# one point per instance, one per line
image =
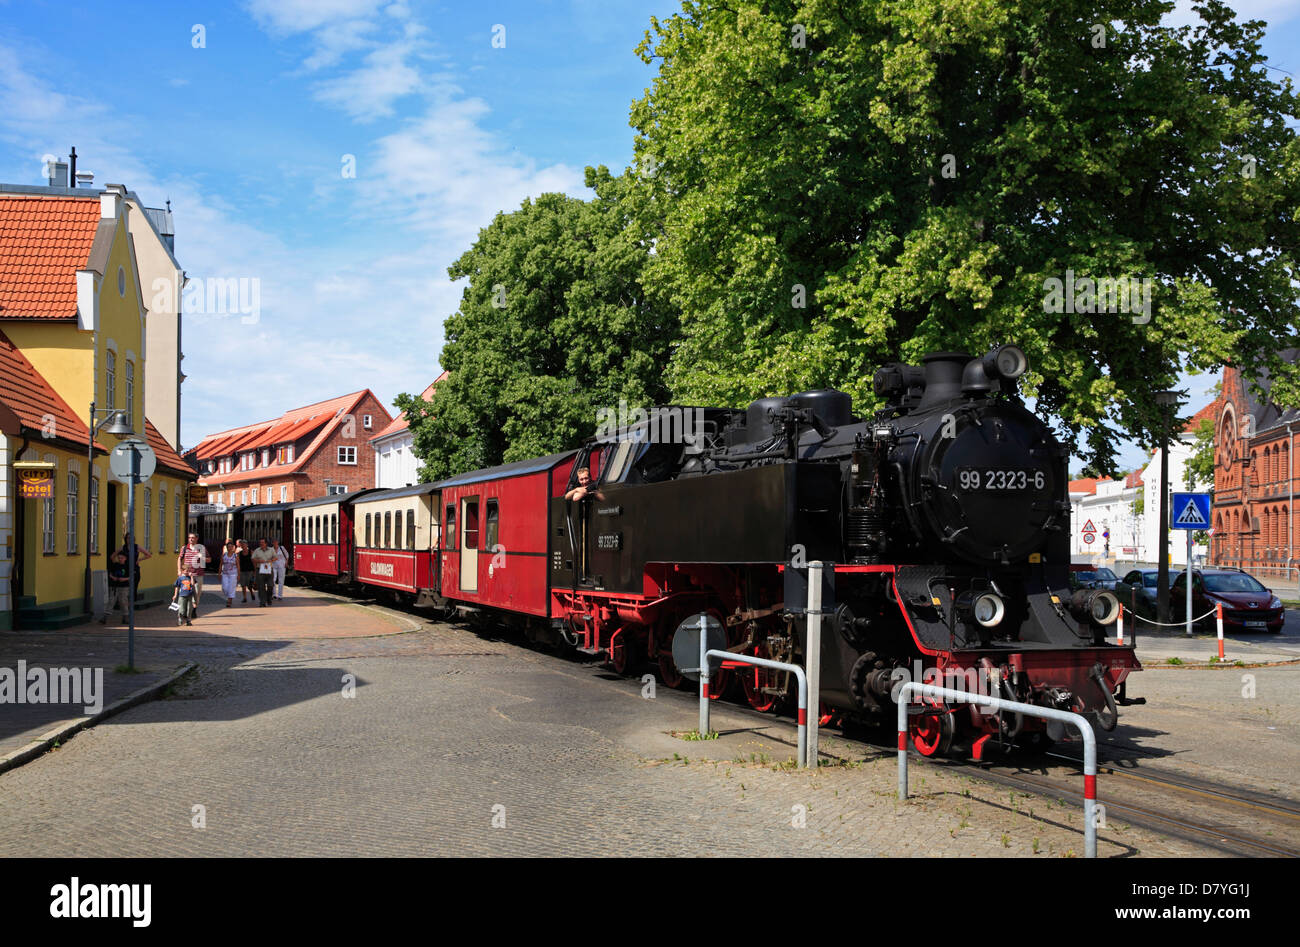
(85, 179)
(57, 173)
(111, 200)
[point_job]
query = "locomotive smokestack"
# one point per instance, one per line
(942, 378)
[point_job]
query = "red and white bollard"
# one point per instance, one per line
(1218, 614)
(1120, 625)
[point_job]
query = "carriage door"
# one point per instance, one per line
(469, 544)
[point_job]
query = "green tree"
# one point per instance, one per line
(553, 324)
(838, 183)
(1199, 470)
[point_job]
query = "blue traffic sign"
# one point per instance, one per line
(1190, 511)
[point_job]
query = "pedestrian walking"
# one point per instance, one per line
(118, 584)
(229, 572)
(281, 564)
(245, 571)
(192, 561)
(183, 597)
(128, 547)
(264, 563)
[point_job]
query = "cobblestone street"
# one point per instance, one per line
(455, 743)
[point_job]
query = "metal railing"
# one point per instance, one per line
(706, 656)
(1047, 713)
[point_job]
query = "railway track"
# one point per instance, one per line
(1227, 819)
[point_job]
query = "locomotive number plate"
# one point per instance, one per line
(999, 479)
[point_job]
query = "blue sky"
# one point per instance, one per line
(247, 136)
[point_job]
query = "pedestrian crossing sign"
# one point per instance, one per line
(1191, 511)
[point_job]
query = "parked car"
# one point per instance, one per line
(1137, 590)
(1247, 604)
(1084, 576)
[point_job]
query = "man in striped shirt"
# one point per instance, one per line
(192, 560)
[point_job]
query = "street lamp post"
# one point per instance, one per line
(114, 422)
(1168, 401)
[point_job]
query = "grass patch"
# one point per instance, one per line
(1174, 661)
(125, 669)
(695, 735)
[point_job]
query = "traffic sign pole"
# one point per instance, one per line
(1189, 583)
(132, 566)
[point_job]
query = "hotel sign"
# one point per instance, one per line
(35, 480)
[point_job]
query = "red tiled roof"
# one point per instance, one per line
(167, 457)
(1086, 484)
(322, 417)
(1198, 417)
(30, 397)
(43, 242)
(399, 423)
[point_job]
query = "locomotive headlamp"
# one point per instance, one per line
(1097, 605)
(986, 608)
(1006, 361)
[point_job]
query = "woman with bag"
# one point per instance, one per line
(229, 572)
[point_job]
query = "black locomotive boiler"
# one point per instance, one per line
(942, 520)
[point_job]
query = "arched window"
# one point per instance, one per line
(1254, 468)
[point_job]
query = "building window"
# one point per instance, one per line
(337, 489)
(130, 391)
(148, 518)
(162, 519)
(110, 379)
(270, 494)
(176, 524)
(216, 498)
(388, 530)
(284, 455)
(47, 525)
(266, 456)
(94, 515)
(284, 493)
(366, 421)
(243, 497)
(73, 500)
(347, 455)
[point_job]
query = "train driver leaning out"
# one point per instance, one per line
(585, 487)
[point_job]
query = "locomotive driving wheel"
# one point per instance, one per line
(626, 654)
(667, 666)
(932, 732)
(764, 687)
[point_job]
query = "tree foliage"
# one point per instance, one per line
(1199, 469)
(553, 324)
(916, 170)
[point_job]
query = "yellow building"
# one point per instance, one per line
(72, 332)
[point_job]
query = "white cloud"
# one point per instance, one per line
(369, 92)
(298, 16)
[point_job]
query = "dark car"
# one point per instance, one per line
(1137, 590)
(1247, 604)
(1092, 577)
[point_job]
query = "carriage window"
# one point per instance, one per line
(450, 532)
(397, 531)
(334, 528)
(388, 529)
(318, 530)
(490, 535)
(471, 524)
(367, 530)
(410, 529)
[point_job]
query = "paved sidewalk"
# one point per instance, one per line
(219, 637)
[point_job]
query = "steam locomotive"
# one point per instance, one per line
(942, 521)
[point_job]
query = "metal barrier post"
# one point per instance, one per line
(813, 657)
(1218, 617)
(794, 669)
(1047, 713)
(1120, 624)
(704, 676)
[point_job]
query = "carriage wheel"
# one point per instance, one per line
(626, 654)
(932, 733)
(667, 666)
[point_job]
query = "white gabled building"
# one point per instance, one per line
(395, 462)
(1099, 506)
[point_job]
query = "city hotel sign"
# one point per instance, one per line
(35, 480)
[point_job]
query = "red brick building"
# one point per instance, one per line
(305, 453)
(1255, 479)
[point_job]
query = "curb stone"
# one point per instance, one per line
(60, 733)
